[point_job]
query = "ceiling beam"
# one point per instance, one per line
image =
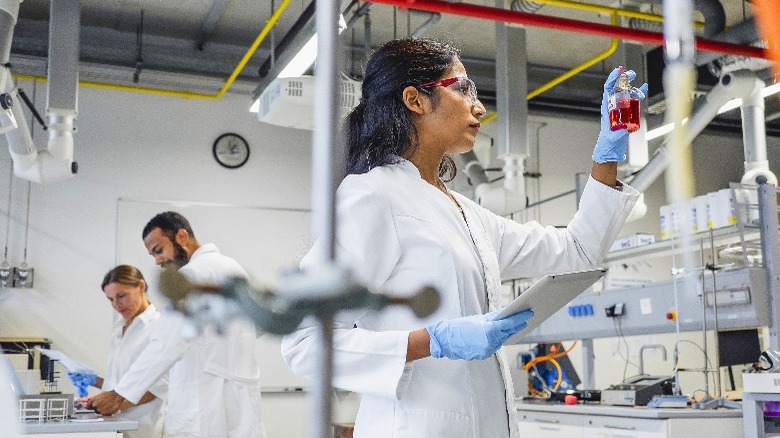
(209, 23)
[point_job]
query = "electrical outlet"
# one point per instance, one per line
(6, 275)
(614, 310)
(23, 277)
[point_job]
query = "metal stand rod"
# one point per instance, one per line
(714, 267)
(588, 365)
(323, 200)
(706, 365)
(321, 398)
(770, 252)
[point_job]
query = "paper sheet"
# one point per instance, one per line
(71, 364)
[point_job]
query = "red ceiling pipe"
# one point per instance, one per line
(498, 14)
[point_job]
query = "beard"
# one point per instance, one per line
(180, 257)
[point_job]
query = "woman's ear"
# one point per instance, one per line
(413, 99)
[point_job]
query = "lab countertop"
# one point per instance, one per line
(625, 411)
(109, 424)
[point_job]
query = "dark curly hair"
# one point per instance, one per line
(381, 129)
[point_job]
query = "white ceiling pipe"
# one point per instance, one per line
(754, 136)
(56, 162)
(732, 85)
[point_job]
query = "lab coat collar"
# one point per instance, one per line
(203, 249)
(407, 166)
(146, 317)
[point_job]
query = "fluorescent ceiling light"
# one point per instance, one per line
(302, 61)
(255, 108)
(661, 130)
(650, 135)
(728, 106)
(305, 57)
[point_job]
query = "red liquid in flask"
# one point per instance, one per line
(625, 115)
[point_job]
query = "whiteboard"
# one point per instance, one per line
(264, 241)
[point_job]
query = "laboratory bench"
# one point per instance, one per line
(543, 420)
(107, 428)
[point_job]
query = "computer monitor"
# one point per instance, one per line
(738, 347)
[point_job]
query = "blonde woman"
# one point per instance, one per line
(125, 288)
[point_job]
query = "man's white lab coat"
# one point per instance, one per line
(400, 233)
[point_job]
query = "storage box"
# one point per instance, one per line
(638, 239)
(720, 208)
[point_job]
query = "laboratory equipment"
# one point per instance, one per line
(586, 395)
(623, 109)
(668, 401)
(7, 119)
(637, 391)
(769, 361)
(738, 347)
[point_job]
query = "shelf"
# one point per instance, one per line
(722, 236)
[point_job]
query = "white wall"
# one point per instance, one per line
(151, 147)
(133, 146)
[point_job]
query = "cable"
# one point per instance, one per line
(560, 374)
(619, 330)
(8, 215)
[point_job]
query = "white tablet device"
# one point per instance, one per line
(548, 295)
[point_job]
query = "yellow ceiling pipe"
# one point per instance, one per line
(607, 10)
(614, 13)
(596, 59)
(186, 94)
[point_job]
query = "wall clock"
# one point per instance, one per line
(231, 150)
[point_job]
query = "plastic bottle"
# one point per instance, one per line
(623, 109)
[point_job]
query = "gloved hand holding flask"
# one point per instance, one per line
(611, 145)
(474, 337)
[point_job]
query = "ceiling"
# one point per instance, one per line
(194, 45)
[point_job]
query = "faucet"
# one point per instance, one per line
(649, 347)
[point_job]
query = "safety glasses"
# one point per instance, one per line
(465, 85)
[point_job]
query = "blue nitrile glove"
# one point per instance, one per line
(611, 145)
(82, 380)
(474, 337)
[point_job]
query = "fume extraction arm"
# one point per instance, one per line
(55, 163)
(743, 84)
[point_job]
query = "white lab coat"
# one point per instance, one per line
(9, 404)
(398, 233)
(123, 351)
(214, 380)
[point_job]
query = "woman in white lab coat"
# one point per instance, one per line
(400, 228)
(125, 288)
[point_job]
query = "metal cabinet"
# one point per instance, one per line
(622, 427)
(625, 422)
(549, 425)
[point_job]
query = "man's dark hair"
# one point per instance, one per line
(169, 224)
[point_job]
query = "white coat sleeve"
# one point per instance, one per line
(166, 346)
(529, 250)
(365, 361)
